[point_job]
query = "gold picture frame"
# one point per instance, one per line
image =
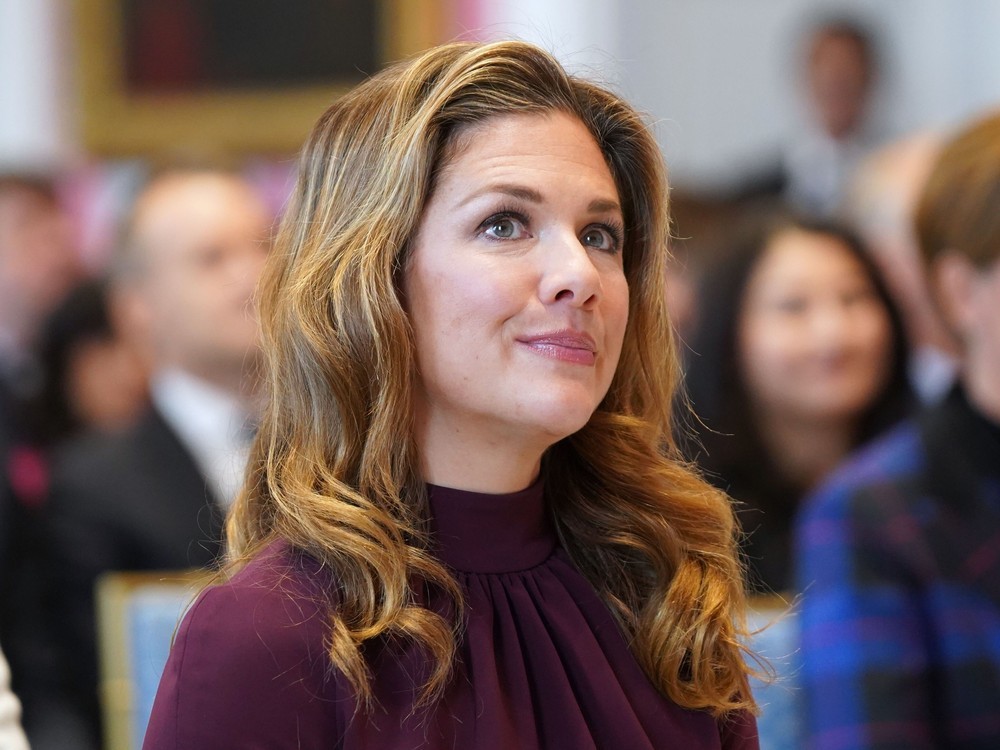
(269, 120)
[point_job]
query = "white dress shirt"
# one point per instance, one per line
(211, 423)
(819, 169)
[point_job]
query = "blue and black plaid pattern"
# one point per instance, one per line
(898, 556)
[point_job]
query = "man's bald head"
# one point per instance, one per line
(189, 260)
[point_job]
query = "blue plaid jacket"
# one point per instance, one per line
(898, 556)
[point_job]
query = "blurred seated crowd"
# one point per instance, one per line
(843, 374)
(128, 403)
(842, 349)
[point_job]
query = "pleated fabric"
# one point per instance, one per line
(542, 663)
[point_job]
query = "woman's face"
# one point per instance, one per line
(106, 383)
(814, 338)
(515, 286)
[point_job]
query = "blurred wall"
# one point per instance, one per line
(36, 99)
(717, 76)
(584, 34)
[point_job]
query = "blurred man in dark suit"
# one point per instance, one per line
(38, 266)
(154, 496)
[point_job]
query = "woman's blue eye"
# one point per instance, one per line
(601, 238)
(505, 226)
(502, 229)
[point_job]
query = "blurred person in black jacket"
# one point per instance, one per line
(154, 496)
(38, 265)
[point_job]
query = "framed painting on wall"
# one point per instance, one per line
(233, 76)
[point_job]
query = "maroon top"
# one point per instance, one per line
(542, 663)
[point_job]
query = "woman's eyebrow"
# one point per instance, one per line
(530, 195)
(603, 205)
(521, 192)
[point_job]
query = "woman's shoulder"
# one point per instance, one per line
(250, 658)
(278, 570)
(278, 600)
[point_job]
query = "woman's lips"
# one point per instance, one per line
(566, 346)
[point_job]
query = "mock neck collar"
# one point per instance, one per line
(477, 532)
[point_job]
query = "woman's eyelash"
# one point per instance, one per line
(504, 213)
(617, 231)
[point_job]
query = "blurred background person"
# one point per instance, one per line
(38, 265)
(95, 377)
(154, 496)
(899, 553)
(92, 379)
(879, 204)
(839, 70)
(798, 358)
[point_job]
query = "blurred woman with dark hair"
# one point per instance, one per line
(94, 377)
(799, 357)
(898, 552)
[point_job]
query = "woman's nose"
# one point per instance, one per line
(833, 322)
(569, 274)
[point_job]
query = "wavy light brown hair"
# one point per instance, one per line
(334, 469)
(958, 209)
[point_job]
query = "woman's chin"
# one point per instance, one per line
(555, 424)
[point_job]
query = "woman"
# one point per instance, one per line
(465, 525)
(800, 357)
(95, 378)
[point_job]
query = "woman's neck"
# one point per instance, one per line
(805, 451)
(486, 472)
(466, 460)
